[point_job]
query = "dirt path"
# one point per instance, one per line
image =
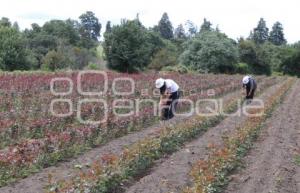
(171, 174)
(270, 166)
(36, 182)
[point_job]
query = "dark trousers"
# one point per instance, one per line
(252, 84)
(250, 95)
(171, 105)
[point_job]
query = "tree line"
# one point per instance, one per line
(56, 45)
(132, 47)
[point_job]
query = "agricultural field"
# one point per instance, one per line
(94, 131)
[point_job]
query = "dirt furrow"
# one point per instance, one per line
(171, 174)
(270, 165)
(64, 170)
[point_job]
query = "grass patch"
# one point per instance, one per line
(297, 160)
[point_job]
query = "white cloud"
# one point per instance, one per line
(234, 17)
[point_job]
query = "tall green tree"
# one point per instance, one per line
(247, 52)
(166, 56)
(35, 28)
(40, 42)
(12, 50)
(210, 51)
(291, 62)
(179, 38)
(206, 26)
(5, 22)
(250, 37)
(130, 46)
(277, 35)
(261, 32)
(165, 27)
(265, 58)
(62, 30)
(179, 32)
(58, 39)
(90, 29)
(16, 26)
(192, 28)
(54, 60)
(108, 27)
(260, 58)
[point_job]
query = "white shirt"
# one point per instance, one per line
(171, 85)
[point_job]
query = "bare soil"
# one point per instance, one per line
(270, 166)
(171, 174)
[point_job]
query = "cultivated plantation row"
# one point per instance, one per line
(131, 153)
(31, 137)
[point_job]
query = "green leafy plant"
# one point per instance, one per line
(297, 159)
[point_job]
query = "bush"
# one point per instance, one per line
(93, 66)
(247, 52)
(177, 68)
(291, 64)
(2, 65)
(12, 50)
(164, 57)
(80, 58)
(54, 61)
(265, 57)
(210, 51)
(129, 47)
(260, 58)
(242, 68)
(31, 60)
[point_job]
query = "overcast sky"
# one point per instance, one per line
(234, 17)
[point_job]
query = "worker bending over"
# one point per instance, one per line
(250, 85)
(169, 91)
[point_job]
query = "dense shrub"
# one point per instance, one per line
(167, 56)
(129, 46)
(258, 57)
(54, 61)
(242, 68)
(177, 68)
(291, 64)
(12, 50)
(210, 51)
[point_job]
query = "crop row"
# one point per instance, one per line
(109, 173)
(209, 175)
(30, 155)
(25, 107)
